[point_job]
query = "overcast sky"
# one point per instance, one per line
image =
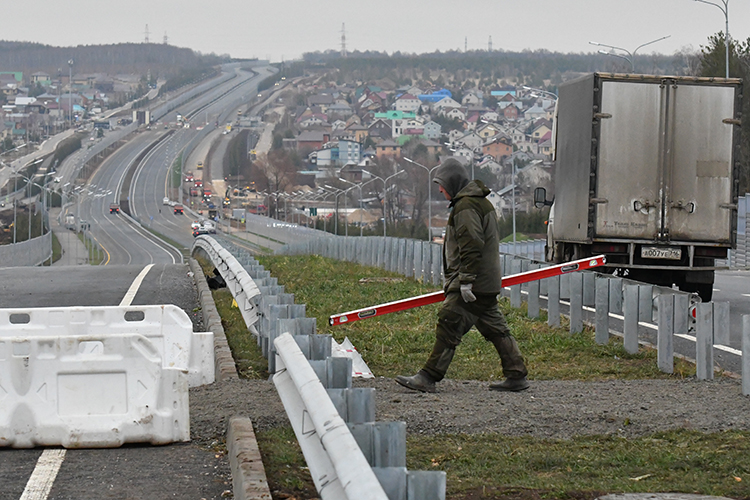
(284, 29)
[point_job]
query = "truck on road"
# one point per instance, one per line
(646, 172)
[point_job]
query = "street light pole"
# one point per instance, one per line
(429, 195)
(725, 11)
(70, 90)
(360, 204)
(385, 194)
(630, 55)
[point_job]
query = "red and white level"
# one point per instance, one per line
(431, 298)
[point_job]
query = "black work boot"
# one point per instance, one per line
(510, 384)
(419, 382)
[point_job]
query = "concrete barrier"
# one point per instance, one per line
(89, 391)
(167, 327)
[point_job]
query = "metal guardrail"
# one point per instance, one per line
(670, 312)
(350, 456)
(238, 281)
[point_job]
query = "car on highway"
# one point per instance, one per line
(178, 209)
(114, 208)
(165, 201)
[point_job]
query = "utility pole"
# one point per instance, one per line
(146, 40)
(489, 45)
(343, 39)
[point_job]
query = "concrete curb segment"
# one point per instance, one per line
(248, 474)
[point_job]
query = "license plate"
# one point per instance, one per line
(661, 253)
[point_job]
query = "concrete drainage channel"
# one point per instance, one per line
(349, 454)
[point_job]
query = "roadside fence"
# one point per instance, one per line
(670, 312)
(363, 459)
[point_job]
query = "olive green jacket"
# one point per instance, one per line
(471, 252)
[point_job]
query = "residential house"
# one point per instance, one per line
(509, 100)
(455, 114)
(339, 110)
(445, 104)
(471, 140)
(546, 148)
(540, 128)
(432, 130)
(436, 96)
(41, 78)
(455, 135)
(498, 147)
(360, 132)
(503, 91)
(388, 148)
(491, 116)
(312, 120)
(311, 140)
(380, 129)
(534, 112)
(487, 130)
(510, 113)
(321, 100)
(349, 151)
(433, 148)
(495, 167)
(408, 103)
(471, 99)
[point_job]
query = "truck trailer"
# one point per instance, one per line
(646, 172)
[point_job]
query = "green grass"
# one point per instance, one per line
(399, 343)
(677, 461)
(493, 466)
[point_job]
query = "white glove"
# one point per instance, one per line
(467, 294)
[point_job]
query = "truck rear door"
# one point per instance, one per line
(699, 187)
(665, 161)
(627, 180)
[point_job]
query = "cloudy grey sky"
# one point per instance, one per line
(284, 29)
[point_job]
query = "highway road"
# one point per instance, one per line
(183, 470)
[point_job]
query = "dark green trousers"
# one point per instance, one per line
(456, 318)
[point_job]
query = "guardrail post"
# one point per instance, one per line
(646, 303)
(515, 290)
(565, 286)
(704, 342)
(602, 309)
(409, 258)
(437, 265)
(553, 301)
(589, 289)
(721, 323)
(681, 303)
(664, 340)
(418, 271)
(576, 301)
(630, 312)
(746, 355)
(425, 485)
(533, 289)
(615, 294)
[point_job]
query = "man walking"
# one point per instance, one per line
(471, 267)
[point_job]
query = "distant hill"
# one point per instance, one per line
(161, 60)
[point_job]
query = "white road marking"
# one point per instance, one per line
(45, 472)
(746, 294)
(130, 295)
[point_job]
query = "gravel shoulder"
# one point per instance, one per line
(549, 409)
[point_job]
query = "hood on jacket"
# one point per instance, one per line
(452, 176)
(475, 188)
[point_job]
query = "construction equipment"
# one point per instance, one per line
(431, 298)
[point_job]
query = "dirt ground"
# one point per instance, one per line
(549, 409)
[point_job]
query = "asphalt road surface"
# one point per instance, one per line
(193, 470)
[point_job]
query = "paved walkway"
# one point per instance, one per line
(74, 252)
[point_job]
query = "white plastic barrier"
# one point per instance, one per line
(89, 391)
(238, 281)
(167, 327)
